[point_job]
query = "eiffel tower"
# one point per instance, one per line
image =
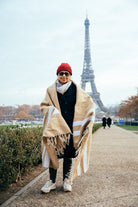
(88, 73)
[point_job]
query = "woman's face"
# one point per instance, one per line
(64, 76)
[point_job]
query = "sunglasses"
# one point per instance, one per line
(64, 73)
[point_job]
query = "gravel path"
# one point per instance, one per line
(111, 181)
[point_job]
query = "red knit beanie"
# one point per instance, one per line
(64, 66)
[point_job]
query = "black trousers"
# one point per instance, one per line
(67, 162)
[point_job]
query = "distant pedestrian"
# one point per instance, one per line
(109, 121)
(67, 129)
(104, 122)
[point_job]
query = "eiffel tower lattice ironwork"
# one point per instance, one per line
(88, 73)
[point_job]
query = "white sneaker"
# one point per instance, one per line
(67, 185)
(48, 186)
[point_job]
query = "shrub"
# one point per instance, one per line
(20, 149)
(96, 126)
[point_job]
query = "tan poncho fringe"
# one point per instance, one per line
(56, 133)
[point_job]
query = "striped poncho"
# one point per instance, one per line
(56, 133)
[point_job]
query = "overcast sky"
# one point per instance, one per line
(36, 36)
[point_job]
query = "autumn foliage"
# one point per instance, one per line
(21, 112)
(22, 115)
(129, 108)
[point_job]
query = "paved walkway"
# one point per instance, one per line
(111, 181)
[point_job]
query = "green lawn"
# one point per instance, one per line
(131, 128)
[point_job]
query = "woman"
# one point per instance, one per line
(104, 122)
(109, 121)
(67, 128)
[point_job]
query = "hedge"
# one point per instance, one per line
(96, 126)
(20, 150)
